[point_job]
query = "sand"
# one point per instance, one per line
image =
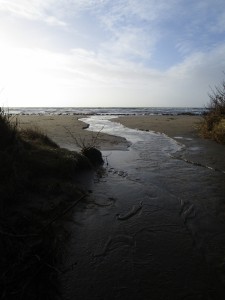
(184, 129)
(173, 126)
(68, 132)
(181, 213)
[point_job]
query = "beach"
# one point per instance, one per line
(153, 225)
(151, 220)
(61, 128)
(68, 132)
(173, 126)
(184, 129)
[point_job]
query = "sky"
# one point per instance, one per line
(91, 53)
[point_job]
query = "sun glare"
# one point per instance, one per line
(24, 75)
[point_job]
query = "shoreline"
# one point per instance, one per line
(183, 129)
(68, 131)
(60, 128)
(53, 190)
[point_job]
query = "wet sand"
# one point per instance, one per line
(184, 129)
(152, 227)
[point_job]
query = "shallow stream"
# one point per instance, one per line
(153, 226)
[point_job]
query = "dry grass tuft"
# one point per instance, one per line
(213, 126)
(37, 136)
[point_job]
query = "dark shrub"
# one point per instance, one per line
(8, 131)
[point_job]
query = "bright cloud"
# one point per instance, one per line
(107, 53)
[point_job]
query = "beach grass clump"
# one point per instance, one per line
(37, 187)
(213, 125)
(8, 131)
(37, 136)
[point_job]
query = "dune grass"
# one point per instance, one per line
(213, 126)
(38, 193)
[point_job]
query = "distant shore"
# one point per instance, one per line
(184, 129)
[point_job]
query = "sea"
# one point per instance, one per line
(141, 111)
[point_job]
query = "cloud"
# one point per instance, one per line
(130, 43)
(54, 21)
(40, 9)
(25, 8)
(134, 27)
(201, 26)
(32, 10)
(128, 29)
(145, 10)
(219, 25)
(92, 79)
(108, 48)
(125, 27)
(123, 11)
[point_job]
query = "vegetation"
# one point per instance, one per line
(213, 126)
(37, 193)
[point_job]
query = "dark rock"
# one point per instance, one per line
(94, 155)
(86, 126)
